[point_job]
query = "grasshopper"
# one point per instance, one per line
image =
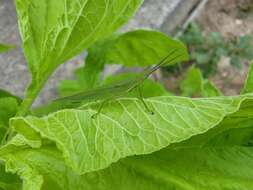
(109, 92)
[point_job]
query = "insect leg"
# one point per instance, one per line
(143, 102)
(100, 109)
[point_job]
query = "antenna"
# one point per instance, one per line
(164, 61)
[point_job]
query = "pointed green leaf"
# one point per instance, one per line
(54, 31)
(210, 90)
(194, 85)
(124, 128)
(248, 86)
(142, 48)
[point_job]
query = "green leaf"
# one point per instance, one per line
(54, 31)
(248, 86)
(242, 47)
(210, 90)
(236, 61)
(193, 35)
(9, 181)
(44, 169)
(32, 180)
(6, 94)
(199, 165)
(8, 109)
(244, 42)
(142, 48)
(235, 130)
(192, 85)
(195, 86)
(180, 168)
(5, 47)
(214, 168)
(183, 169)
(194, 166)
(221, 51)
(215, 39)
(124, 128)
(30, 164)
(201, 57)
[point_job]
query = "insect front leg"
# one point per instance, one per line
(100, 108)
(143, 101)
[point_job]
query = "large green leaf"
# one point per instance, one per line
(124, 128)
(215, 168)
(183, 169)
(217, 160)
(220, 162)
(54, 31)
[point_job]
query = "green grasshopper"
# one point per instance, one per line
(119, 89)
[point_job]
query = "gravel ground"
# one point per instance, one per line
(230, 19)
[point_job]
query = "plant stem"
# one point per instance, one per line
(25, 106)
(32, 93)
